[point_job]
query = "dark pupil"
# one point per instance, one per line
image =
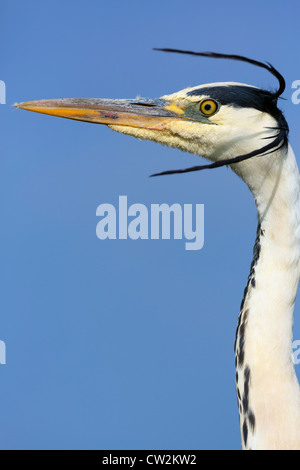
(207, 107)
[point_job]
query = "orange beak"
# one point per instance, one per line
(145, 114)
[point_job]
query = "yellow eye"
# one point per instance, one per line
(209, 107)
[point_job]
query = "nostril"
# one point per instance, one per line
(143, 104)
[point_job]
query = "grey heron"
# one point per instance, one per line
(241, 126)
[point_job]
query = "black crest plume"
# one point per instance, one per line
(280, 139)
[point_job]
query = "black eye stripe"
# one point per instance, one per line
(239, 96)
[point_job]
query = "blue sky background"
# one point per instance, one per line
(122, 344)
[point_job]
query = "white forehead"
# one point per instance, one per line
(183, 93)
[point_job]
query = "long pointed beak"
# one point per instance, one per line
(140, 113)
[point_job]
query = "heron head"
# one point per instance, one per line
(227, 123)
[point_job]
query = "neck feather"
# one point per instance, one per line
(267, 387)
